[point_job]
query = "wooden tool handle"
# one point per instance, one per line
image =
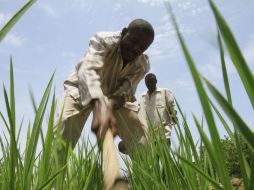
(111, 167)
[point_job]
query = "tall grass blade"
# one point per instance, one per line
(89, 177)
(205, 140)
(221, 165)
(183, 140)
(33, 100)
(15, 19)
(20, 127)
(235, 53)
(5, 122)
(47, 149)
(14, 154)
(223, 121)
(35, 110)
(31, 149)
(51, 179)
(233, 115)
(251, 181)
(203, 174)
(145, 174)
(10, 107)
(12, 97)
(245, 169)
(224, 70)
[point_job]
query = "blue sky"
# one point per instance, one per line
(53, 35)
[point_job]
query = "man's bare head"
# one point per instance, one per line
(136, 39)
(151, 82)
(142, 26)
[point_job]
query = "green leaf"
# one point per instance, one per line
(47, 149)
(145, 174)
(51, 179)
(12, 97)
(31, 149)
(15, 19)
(221, 165)
(33, 100)
(233, 115)
(35, 110)
(206, 141)
(204, 175)
(235, 53)
(224, 70)
(245, 169)
(251, 184)
(10, 107)
(5, 122)
(224, 123)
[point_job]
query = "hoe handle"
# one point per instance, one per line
(111, 167)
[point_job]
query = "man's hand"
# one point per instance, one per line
(103, 118)
(116, 102)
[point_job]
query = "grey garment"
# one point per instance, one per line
(101, 73)
(162, 101)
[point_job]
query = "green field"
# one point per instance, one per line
(156, 167)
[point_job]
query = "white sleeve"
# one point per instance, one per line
(170, 102)
(88, 68)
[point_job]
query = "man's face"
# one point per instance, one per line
(151, 83)
(133, 43)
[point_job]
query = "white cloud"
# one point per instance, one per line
(81, 5)
(185, 82)
(166, 43)
(193, 6)
(71, 59)
(211, 71)
(199, 10)
(231, 70)
(14, 40)
(249, 55)
(70, 56)
(117, 7)
(152, 2)
(48, 10)
(4, 18)
(249, 51)
(188, 6)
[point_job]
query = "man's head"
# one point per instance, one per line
(151, 82)
(136, 39)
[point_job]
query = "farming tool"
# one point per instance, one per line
(111, 167)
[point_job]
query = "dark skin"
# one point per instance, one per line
(151, 82)
(133, 43)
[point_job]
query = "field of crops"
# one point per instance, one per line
(156, 167)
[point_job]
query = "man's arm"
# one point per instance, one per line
(88, 77)
(90, 87)
(171, 107)
(129, 85)
(103, 118)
